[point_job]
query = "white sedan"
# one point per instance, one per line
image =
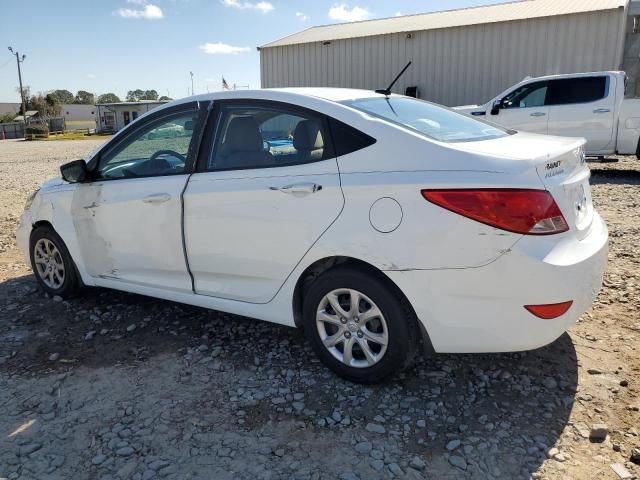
(379, 224)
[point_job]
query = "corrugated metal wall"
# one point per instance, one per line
(454, 66)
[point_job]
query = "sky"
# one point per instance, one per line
(119, 45)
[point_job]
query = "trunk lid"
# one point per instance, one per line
(559, 163)
(566, 177)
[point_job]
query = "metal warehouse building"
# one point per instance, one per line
(460, 56)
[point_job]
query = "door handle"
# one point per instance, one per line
(298, 188)
(602, 110)
(157, 198)
(538, 114)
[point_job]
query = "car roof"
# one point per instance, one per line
(284, 94)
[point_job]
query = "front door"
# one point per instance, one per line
(524, 109)
(265, 194)
(128, 221)
(126, 118)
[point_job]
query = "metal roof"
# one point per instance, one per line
(141, 102)
(504, 12)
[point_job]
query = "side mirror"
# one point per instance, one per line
(74, 172)
(495, 109)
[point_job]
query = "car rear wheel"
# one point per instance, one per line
(51, 263)
(358, 326)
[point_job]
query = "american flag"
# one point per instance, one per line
(225, 85)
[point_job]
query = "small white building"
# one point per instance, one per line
(111, 117)
(78, 116)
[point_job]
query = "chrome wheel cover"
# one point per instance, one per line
(352, 328)
(49, 264)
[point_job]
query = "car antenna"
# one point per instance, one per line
(387, 91)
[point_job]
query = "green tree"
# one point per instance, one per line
(108, 98)
(164, 98)
(137, 95)
(62, 96)
(26, 90)
(7, 117)
(46, 105)
(85, 98)
(150, 95)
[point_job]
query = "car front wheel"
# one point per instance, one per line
(51, 263)
(358, 325)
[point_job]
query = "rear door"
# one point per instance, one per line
(583, 107)
(524, 109)
(265, 191)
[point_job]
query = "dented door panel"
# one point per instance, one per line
(125, 238)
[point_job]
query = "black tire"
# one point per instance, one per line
(71, 281)
(399, 317)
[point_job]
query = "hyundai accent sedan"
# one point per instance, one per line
(380, 224)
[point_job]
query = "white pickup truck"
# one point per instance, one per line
(589, 105)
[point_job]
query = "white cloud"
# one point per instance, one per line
(342, 13)
(220, 48)
(137, 2)
(302, 17)
(149, 12)
(264, 7)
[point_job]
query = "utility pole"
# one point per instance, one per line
(19, 61)
(191, 73)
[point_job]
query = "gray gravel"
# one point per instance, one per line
(117, 386)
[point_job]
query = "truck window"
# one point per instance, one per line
(576, 90)
(530, 95)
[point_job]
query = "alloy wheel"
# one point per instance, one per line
(49, 263)
(352, 328)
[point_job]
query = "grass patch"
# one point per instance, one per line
(73, 136)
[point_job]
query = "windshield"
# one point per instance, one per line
(432, 120)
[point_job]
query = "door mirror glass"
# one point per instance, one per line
(74, 172)
(495, 109)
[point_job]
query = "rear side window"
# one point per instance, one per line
(347, 139)
(576, 90)
(266, 137)
(429, 119)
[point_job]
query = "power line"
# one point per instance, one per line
(6, 63)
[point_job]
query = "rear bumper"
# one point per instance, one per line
(482, 309)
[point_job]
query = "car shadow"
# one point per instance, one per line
(601, 176)
(498, 414)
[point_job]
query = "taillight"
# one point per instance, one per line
(550, 310)
(532, 212)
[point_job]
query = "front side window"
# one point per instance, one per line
(526, 96)
(576, 90)
(159, 148)
(432, 120)
(265, 137)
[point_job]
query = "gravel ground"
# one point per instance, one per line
(113, 385)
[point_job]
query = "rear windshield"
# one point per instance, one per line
(432, 120)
